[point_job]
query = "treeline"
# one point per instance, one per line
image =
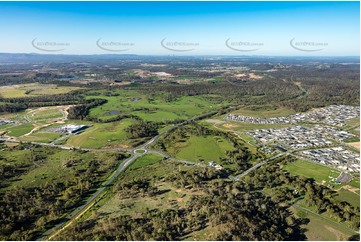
(315, 196)
(113, 119)
(142, 129)
(82, 110)
(192, 178)
(26, 76)
(258, 92)
(12, 105)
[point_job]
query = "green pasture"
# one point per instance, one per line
(101, 135)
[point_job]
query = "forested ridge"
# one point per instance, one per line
(232, 208)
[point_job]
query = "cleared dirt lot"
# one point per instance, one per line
(355, 144)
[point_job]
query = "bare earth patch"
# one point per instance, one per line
(229, 126)
(215, 121)
(338, 234)
(351, 189)
(31, 112)
(10, 144)
(248, 75)
(355, 144)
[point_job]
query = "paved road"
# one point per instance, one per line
(64, 147)
(78, 212)
(258, 165)
(61, 138)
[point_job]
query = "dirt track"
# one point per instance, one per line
(32, 112)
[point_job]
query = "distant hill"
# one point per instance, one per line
(33, 57)
(66, 58)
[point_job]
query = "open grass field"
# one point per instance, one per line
(6, 126)
(355, 183)
(33, 89)
(217, 124)
(319, 229)
(322, 173)
(348, 196)
(353, 122)
(46, 114)
(148, 166)
(37, 121)
(353, 126)
(266, 111)
(42, 137)
(143, 161)
(312, 170)
(168, 197)
(51, 167)
(102, 135)
(206, 148)
(20, 130)
(248, 138)
(216, 79)
(46, 171)
(152, 109)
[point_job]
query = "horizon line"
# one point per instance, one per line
(175, 55)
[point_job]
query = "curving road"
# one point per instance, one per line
(79, 211)
(260, 164)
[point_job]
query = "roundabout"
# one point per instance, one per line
(140, 151)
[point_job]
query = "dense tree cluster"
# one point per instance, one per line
(82, 110)
(192, 178)
(12, 105)
(113, 119)
(142, 129)
(323, 85)
(264, 91)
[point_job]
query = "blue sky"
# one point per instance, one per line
(262, 28)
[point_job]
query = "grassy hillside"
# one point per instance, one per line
(33, 89)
